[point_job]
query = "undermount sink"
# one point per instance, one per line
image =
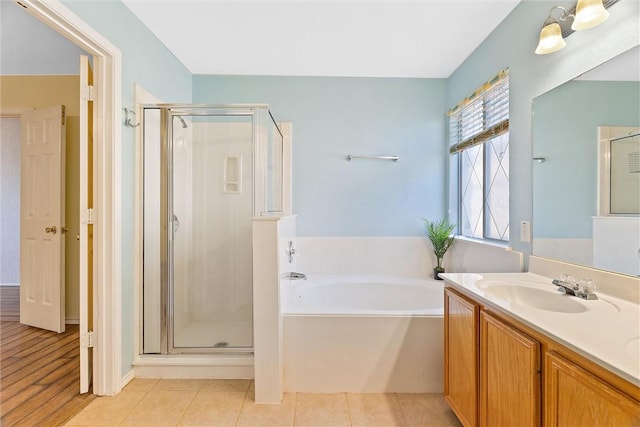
(529, 296)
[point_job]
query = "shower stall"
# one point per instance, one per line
(208, 170)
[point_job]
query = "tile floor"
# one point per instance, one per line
(153, 402)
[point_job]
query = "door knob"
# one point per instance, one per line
(52, 230)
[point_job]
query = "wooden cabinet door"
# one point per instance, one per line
(461, 357)
(509, 375)
(575, 397)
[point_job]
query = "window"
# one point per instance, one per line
(479, 137)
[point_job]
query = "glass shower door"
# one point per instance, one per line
(210, 249)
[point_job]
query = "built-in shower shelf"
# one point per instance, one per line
(231, 187)
(232, 180)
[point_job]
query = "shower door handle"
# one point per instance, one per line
(176, 223)
(291, 251)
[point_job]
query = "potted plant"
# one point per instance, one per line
(440, 235)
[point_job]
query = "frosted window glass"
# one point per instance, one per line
(497, 184)
(471, 200)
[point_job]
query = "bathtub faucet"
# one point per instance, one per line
(297, 276)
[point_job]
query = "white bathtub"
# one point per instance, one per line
(363, 334)
(364, 295)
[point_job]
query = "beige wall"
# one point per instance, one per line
(32, 92)
(40, 91)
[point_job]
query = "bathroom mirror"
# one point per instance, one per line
(568, 160)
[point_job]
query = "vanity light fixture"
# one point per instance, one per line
(586, 14)
(551, 39)
(589, 13)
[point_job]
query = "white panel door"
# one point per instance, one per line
(42, 186)
(86, 239)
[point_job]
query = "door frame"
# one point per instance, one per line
(107, 246)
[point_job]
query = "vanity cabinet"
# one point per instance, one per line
(509, 375)
(461, 360)
(492, 370)
(575, 397)
(501, 372)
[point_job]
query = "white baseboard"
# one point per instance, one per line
(127, 378)
(10, 284)
(72, 321)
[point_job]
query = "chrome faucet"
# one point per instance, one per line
(584, 289)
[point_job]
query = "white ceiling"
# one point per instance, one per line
(390, 38)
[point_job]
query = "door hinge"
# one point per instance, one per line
(64, 115)
(87, 340)
(87, 216)
(87, 93)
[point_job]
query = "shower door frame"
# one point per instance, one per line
(260, 115)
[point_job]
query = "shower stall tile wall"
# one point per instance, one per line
(208, 170)
(215, 276)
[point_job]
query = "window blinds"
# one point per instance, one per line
(481, 116)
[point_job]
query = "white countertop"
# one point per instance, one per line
(606, 330)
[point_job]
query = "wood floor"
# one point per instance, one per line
(39, 376)
(10, 303)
